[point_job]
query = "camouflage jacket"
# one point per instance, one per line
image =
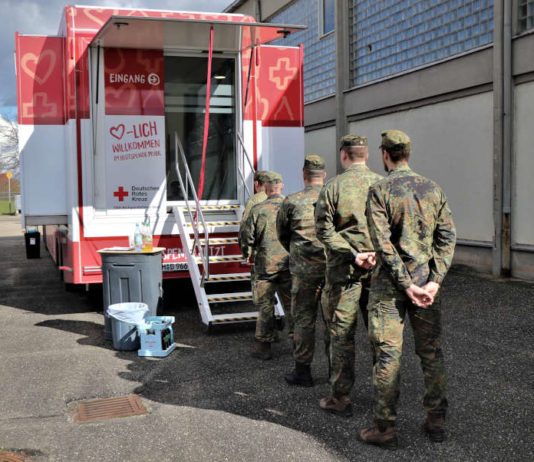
(412, 230)
(259, 234)
(252, 201)
(340, 219)
(295, 226)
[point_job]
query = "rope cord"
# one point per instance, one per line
(206, 118)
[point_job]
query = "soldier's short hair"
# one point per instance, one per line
(314, 166)
(349, 141)
(355, 146)
(397, 144)
(314, 162)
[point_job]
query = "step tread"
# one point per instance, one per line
(229, 277)
(229, 297)
(234, 317)
(221, 240)
(222, 259)
(215, 223)
(210, 208)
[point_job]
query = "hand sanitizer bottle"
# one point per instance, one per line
(147, 235)
(138, 239)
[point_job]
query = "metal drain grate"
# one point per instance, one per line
(109, 408)
(6, 456)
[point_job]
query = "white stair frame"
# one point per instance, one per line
(194, 270)
(201, 244)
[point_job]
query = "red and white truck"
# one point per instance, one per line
(133, 113)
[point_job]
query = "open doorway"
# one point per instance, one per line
(185, 100)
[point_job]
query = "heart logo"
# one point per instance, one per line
(39, 67)
(123, 97)
(138, 13)
(98, 16)
(118, 131)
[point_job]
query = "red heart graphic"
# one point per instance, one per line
(98, 16)
(39, 67)
(118, 131)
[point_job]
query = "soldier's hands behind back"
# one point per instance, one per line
(432, 288)
(419, 296)
(366, 260)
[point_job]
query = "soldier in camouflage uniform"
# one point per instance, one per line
(414, 237)
(271, 266)
(296, 232)
(341, 226)
(260, 180)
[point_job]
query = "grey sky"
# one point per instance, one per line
(43, 16)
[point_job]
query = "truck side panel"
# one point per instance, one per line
(41, 114)
(273, 109)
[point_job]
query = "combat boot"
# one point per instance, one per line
(382, 434)
(434, 427)
(341, 406)
(262, 350)
(301, 376)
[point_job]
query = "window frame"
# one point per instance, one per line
(321, 4)
(237, 117)
(519, 29)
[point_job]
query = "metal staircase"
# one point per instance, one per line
(209, 234)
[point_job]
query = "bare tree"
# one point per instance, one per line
(9, 146)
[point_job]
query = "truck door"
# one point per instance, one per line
(185, 99)
(275, 111)
(42, 118)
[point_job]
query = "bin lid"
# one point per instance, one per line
(128, 251)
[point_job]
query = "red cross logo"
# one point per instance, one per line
(121, 194)
(282, 73)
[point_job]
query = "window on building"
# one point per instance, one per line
(391, 37)
(328, 16)
(526, 15)
(320, 50)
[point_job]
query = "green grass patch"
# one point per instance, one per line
(4, 207)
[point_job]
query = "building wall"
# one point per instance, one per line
(459, 160)
(319, 51)
(430, 70)
(522, 205)
(248, 8)
(323, 142)
(393, 36)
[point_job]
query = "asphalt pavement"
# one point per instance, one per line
(209, 401)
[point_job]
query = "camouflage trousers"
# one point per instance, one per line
(341, 303)
(386, 324)
(263, 295)
(305, 302)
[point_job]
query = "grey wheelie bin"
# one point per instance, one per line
(130, 276)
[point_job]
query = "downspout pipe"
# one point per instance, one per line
(508, 151)
(342, 71)
(502, 136)
(258, 11)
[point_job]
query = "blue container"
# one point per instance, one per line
(157, 336)
(124, 335)
(125, 317)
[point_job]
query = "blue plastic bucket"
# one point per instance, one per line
(124, 319)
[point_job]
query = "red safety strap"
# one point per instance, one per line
(206, 119)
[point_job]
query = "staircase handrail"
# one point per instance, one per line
(246, 156)
(203, 250)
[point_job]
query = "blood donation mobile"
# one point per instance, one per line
(129, 116)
